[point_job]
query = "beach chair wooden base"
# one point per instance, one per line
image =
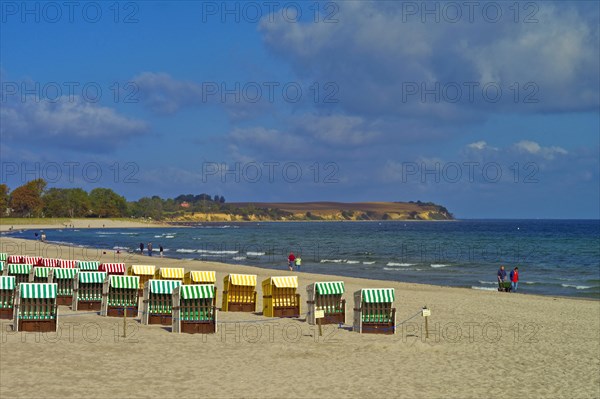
(141, 293)
(37, 325)
(89, 305)
(115, 311)
(6, 314)
(286, 311)
(64, 300)
(191, 327)
(334, 318)
(164, 319)
(378, 328)
(241, 307)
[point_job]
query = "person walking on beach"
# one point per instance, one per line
(501, 274)
(514, 279)
(291, 261)
(298, 261)
(142, 248)
(149, 249)
(160, 250)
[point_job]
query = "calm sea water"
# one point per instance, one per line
(555, 257)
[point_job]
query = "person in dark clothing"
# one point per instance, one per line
(141, 247)
(149, 249)
(501, 274)
(160, 251)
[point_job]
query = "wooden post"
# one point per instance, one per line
(124, 321)
(426, 313)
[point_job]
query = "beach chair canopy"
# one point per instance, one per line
(128, 282)
(143, 270)
(38, 290)
(171, 272)
(88, 265)
(7, 282)
(377, 295)
(197, 291)
(3, 256)
(198, 276)
(65, 273)
(19, 268)
(330, 288)
(1, 265)
(248, 280)
(118, 268)
(14, 259)
(283, 282)
(30, 260)
(68, 264)
(92, 277)
(49, 262)
(163, 286)
(42, 271)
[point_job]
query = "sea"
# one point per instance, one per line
(554, 257)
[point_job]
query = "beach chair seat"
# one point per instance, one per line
(7, 294)
(194, 309)
(119, 295)
(280, 298)
(157, 303)
(35, 307)
(39, 274)
(144, 272)
(20, 271)
(87, 291)
(239, 293)
(374, 311)
(63, 278)
(326, 296)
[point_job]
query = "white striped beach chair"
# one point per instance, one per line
(35, 307)
(64, 280)
(328, 297)
(120, 294)
(374, 311)
(113, 268)
(39, 274)
(194, 309)
(157, 304)
(87, 290)
(20, 271)
(88, 265)
(7, 294)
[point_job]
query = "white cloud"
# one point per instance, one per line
(534, 148)
(478, 145)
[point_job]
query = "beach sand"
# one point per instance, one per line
(481, 344)
(50, 223)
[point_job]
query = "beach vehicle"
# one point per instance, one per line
(326, 296)
(374, 311)
(170, 273)
(113, 268)
(239, 293)
(144, 272)
(87, 290)
(7, 294)
(157, 304)
(88, 265)
(35, 307)
(67, 263)
(120, 294)
(194, 309)
(200, 277)
(504, 286)
(280, 298)
(19, 270)
(64, 280)
(39, 274)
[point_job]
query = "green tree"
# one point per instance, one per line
(66, 202)
(26, 200)
(3, 199)
(106, 203)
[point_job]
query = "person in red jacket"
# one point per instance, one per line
(514, 279)
(291, 260)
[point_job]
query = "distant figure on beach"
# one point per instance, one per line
(291, 261)
(43, 237)
(142, 248)
(149, 249)
(160, 251)
(298, 262)
(514, 279)
(501, 274)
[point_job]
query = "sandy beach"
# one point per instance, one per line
(481, 344)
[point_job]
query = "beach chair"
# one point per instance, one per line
(170, 273)
(64, 280)
(239, 293)
(120, 293)
(280, 298)
(2, 266)
(67, 264)
(117, 269)
(326, 296)
(35, 307)
(50, 262)
(194, 309)
(200, 277)
(87, 290)
(144, 272)
(31, 260)
(88, 265)
(20, 271)
(157, 304)
(39, 274)
(3, 256)
(374, 311)
(14, 259)
(7, 294)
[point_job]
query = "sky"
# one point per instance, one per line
(488, 108)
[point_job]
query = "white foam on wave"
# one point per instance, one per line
(438, 265)
(239, 258)
(488, 282)
(577, 287)
(368, 263)
(214, 252)
(484, 288)
(185, 251)
(400, 264)
(250, 253)
(118, 247)
(395, 269)
(333, 260)
(352, 262)
(169, 236)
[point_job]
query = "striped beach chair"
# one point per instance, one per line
(119, 294)
(328, 297)
(280, 298)
(3, 256)
(157, 305)
(374, 311)
(194, 309)
(2, 266)
(7, 294)
(35, 307)
(64, 280)
(239, 293)
(113, 268)
(144, 272)
(67, 264)
(200, 277)
(14, 259)
(170, 273)
(31, 260)
(39, 274)
(50, 262)
(20, 271)
(87, 290)
(88, 265)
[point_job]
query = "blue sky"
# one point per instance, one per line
(491, 111)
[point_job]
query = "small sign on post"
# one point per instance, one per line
(426, 313)
(319, 314)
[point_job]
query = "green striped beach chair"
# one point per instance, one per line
(64, 279)
(2, 266)
(87, 291)
(7, 294)
(88, 265)
(35, 307)
(39, 274)
(3, 256)
(328, 297)
(157, 304)
(194, 309)
(119, 294)
(20, 271)
(374, 311)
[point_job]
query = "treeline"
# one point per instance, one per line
(34, 199)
